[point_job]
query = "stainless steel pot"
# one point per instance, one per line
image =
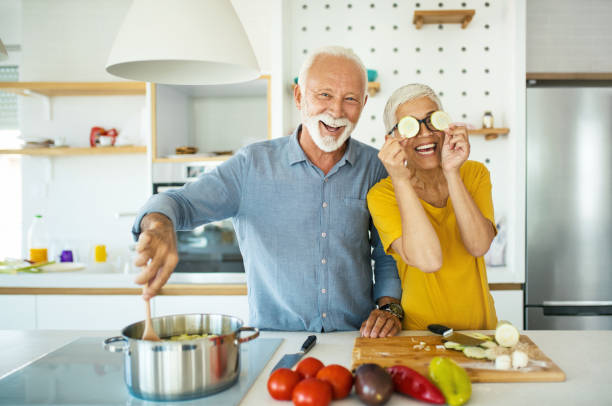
(179, 370)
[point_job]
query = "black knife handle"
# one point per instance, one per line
(438, 329)
(309, 343)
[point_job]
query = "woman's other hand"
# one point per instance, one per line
(456, 148)
(394, 158)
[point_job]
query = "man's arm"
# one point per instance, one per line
(214, 196)
(387, 289)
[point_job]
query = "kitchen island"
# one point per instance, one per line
(584, 356)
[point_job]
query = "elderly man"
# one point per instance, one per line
(299, 209)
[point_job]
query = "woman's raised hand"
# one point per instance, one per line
(394, 158)
(456, 148)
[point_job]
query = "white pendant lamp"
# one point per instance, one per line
(184, 42)
(3, 53)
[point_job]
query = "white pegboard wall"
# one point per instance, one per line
(468, 68)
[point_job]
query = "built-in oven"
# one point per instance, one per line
(211, 247)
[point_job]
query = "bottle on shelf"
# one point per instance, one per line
(487, 120)
(38, 240)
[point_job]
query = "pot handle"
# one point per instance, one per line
(249, 338)
(111, 344)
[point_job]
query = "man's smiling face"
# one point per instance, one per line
(332, 101)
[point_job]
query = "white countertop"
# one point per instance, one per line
(91, 279)
(584, 356)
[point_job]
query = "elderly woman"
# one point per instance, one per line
(434, 214)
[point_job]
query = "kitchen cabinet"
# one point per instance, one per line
(217, 120)
(96, 312)
(18, 312)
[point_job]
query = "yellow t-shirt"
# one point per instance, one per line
(457, 295)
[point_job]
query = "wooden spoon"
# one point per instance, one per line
(149, 332)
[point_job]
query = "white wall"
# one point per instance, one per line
(569, 36)
(487, 75)
(69, 40)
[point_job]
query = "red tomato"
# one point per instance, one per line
(281, 383)
(312, 392)
(308, 367)
(340, 379)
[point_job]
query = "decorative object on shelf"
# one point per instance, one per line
(487, 120)
(489, 133)
(3, 53)
(185, 150)
(372, 75)
(462, 17)
(194, 43)
(98, 136)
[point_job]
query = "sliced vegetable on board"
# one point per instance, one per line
(451, 379)
(506, 334)
(409, 382)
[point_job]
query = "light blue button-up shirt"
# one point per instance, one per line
(304, 235)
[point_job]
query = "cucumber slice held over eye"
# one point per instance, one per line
(440, 120)
(408, 127)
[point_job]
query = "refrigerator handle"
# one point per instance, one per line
(577, 308)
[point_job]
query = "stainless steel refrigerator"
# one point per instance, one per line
(569, 206)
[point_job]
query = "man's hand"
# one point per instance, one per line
(157, 253)
(381, 323)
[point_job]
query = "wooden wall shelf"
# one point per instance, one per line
(489, 133)
(373, 88)
(188, 158)
(51, 89)
(68, 151)
(462, 17)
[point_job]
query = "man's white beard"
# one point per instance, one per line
(327, 143)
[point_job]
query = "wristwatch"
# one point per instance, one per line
(393, 308)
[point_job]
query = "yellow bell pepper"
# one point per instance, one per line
(451, 379)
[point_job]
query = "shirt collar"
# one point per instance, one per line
(296, 153)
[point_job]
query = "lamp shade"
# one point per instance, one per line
(3, 53)
(183, 42)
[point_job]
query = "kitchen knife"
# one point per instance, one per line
(448, 334)
(289, 360)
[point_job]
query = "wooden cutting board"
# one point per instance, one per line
(405, 350)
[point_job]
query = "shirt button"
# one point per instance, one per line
(323, 234)
(323, 261)
(324, 315)
(323, 290)
(325, 180)
(324, 204)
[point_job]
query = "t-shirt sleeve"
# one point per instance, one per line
(479, 185)
(385, 213)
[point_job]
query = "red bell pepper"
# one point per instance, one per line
(409, 382)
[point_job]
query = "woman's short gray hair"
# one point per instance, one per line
(404, 94)
(334, 51)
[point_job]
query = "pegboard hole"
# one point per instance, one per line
(418, 71)
(464, 93)
(487, 70)
(487, 160)
(463, 70)
(349, 5)
(304, 6)
(417, 49)
(395, 50)
(327, 6)
(372, 27)
(440, 5)
(441, 71)
(464, 116)
(373, 117)
(349, 28)
(417, 5)
(441, 94)
(486, 93)
(486, 26)
(463, 49)
(440, 27)
(303, 28)
(440, 49)
(463, 4)
(372, 5)
(394, 5)
(372, 50)
(486, 49)
(304, 51)
(395, 71)
(395, 27)
(372, 139)
(486, 4)
(327, 28)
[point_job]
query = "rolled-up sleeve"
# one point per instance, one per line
(386, 278)
(216, 195)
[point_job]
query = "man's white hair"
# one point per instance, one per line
(334, 51)
(404, 94)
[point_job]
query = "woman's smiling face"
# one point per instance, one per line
(423, 150)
